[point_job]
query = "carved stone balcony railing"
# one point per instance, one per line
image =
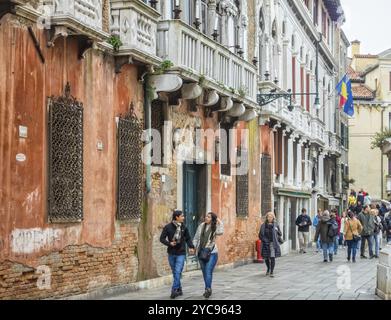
(194, 55)
(75, 17)
(318, 131)
(136, 25)
(334, 144)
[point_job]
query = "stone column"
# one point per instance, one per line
(321, 172)
(282, 175)
(307, 174)
(290, 161)
(299, 164)
(383, 286)
(211, 16)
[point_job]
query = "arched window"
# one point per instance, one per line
(274, 30)
(293, 42)
(261, 20)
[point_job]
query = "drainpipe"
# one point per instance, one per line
(381, 158)
(147, 130)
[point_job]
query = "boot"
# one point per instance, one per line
(330, 257)
(174, 294)
(207, 293)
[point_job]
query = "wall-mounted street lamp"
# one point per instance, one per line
(266, 98)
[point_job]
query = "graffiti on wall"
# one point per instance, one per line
(27, 241)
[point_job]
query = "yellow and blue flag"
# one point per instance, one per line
(344, 88)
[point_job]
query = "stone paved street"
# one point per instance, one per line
(298, 277)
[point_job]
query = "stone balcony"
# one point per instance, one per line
(334, 144)
(73, 17)
(136, 25)
(195, 55)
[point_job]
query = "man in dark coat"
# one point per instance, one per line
(368, 224)
(304, 222)
(175, 235)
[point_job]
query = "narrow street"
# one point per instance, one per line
(298, 277)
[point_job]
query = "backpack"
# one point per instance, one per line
(333, 229)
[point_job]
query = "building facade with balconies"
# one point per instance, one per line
(292, 39)
(104, 102)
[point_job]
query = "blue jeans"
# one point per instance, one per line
(336, 243)
(328, 248)
(370, 246)
(352, 246)
(207, 269)
(176, 264)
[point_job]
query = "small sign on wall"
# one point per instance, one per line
(20, 157)
(22, 132)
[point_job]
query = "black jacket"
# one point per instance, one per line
(167, 236)
(304, 219)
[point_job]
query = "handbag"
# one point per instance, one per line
(355, 237)
(204, 254)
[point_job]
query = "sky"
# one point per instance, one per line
(369, 22)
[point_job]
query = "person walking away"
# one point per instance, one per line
(205, 238)
(342, 238)
(368, 223)
(270, 235)
(352, 231)
(175, 236)
(338, 220)
(322, 231)
(358, 209)
(333, 230)
(352, 200)
(315, 224)
(360, 196)
(377, 233)
(367, 200)
(304, 222)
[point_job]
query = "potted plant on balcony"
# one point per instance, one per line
(116, 42)
(380, 138)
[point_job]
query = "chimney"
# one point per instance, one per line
(355, 47)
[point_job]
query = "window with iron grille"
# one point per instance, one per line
(242, 186)
(129, 168)
(65, 158)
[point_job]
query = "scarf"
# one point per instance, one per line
(178, 232)
(205, 235)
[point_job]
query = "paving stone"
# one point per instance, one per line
(297, 277)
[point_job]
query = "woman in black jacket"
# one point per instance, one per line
(270, 235)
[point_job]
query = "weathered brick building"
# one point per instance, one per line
(100, 114)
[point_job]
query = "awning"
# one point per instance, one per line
(293, 193)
